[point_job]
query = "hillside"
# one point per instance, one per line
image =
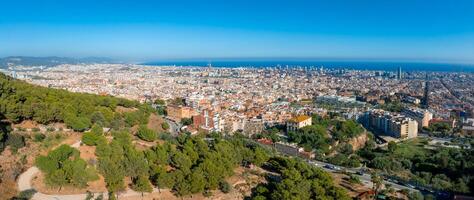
(22, 101)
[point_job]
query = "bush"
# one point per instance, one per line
(165, 126)
(186, 121)
(39, 137)
(207, 193)
(225, 187)
(146, 134)
(90, 138)
(26, 194)
(93, 137)
(16, 141)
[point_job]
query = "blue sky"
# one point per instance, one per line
(415, 30)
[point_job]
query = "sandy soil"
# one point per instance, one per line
(154, 122)
(122, 109)
(95, 186)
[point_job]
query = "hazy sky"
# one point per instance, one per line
(424, 30)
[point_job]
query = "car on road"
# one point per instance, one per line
(328, 166)
(332, 167)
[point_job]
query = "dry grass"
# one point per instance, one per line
(154, 122)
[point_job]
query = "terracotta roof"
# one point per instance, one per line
(300, 118)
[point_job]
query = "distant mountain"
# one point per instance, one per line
(50, 61)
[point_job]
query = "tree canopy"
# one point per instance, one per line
(23, 101)
(63, 166)
(298, 181)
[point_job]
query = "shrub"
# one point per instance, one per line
(186, 121)
(16, 141)
(26, 194)
(165, 126)
(90, 138)
(224, 187)
(146, 134)
(39, 137)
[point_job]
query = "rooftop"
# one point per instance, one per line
(300, 118)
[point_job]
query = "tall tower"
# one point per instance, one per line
(399, 73)
(426, 92)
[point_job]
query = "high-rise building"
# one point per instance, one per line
(399, 73)
(426, 100)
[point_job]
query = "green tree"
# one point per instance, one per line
(260, 156)
(141, 184)
(159, 102)
(113, 175)
(165, 126)
(197, 182)
(377, 182)
(63, 166)
(146, 134)
(94, 136)
(186, 121)
(392, 146)
(225, 187)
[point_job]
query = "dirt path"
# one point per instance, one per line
(24, 183)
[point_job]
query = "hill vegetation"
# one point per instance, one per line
(22, 101)
(330, 136)
(441, 168)
(297, 180)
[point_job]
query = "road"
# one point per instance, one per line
(365, 177)
(174, 127)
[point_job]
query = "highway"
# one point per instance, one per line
(365, 177)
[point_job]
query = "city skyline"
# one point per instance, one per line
(426, 31)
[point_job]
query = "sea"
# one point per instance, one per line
(355, 65)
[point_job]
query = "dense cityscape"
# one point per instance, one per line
(235, 96)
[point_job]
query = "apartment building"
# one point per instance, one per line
(421, 116)
(207, 120)
(176, 113)
(253, 126)
(395, 125)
